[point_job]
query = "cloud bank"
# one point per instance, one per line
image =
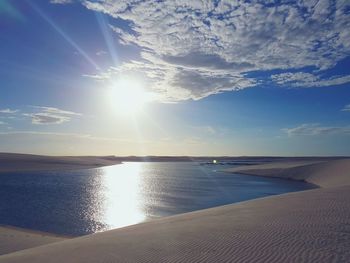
(192, 49)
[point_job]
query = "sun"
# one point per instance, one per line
(128, 96)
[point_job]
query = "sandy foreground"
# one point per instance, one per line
(14, 239)
(307, 226)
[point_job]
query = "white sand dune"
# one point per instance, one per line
(322, 173)
(308, 226)
(14, 162)
(14, 239)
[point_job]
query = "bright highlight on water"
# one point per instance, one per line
(94, 200)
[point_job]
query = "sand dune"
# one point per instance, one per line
(14, 239)
(308, 226)
(13, 162)
(322, 173)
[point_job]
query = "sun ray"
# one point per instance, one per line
(106, 32)
(64, 35)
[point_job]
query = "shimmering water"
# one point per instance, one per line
(92, 200)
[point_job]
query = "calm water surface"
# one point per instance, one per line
(92, 200)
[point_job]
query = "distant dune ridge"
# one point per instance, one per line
(30, 162)
(14, 162)
(307, 226)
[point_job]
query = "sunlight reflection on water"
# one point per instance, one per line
(123, 202)
(134, 192)
(93, 200)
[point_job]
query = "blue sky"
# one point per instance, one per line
(206, 77)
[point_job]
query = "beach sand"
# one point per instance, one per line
(13, 239)
(307, 226)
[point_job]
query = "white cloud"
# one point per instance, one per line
(52, 110)
(101, 53)
(42, 115)
(51, 115)
(311, 129)
(191, 49)
(61, 1)
(54, 134)
(8, 111)
(101, 76)
(46, 118)
(172, 83)
(298, 77)
(346, 108)
(302, 79)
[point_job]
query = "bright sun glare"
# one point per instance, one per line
(128, 96)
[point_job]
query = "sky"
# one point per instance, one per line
(175, 77)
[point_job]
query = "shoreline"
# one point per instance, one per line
(309, 225)
(17, 162)
(64, 168)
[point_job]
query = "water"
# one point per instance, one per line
(92, 200)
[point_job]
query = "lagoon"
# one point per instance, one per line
(81, 202)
